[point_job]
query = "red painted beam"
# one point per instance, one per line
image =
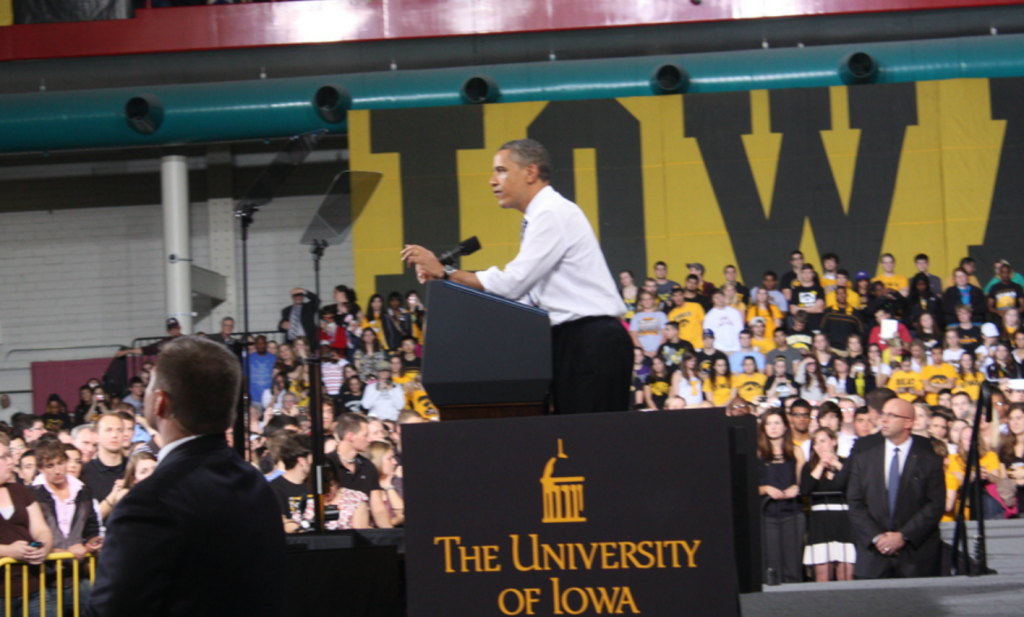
(328, 21)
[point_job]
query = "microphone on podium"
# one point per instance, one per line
(466, 247)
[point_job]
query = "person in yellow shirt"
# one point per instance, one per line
(718, 387)
(689, 316)
(937, 376)
(906, 382)
(968, 378)
(853, 299)
(761, 307)
(989, 460)
(889, 278)
(760, 339)
(749, 384)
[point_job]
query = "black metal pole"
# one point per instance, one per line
(316, 400)
(972, 468)
(241, 431)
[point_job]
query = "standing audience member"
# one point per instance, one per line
(101, 473)
(140, 466)
(292, 487)
(299, 319)
(22, 526)
(830, 546)
(781, 466)
(67, 507)
(897, 495)
(259, 366)
(85, 439)
(725, 321)
(648, 325)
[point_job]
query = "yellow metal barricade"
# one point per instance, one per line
(60, 557)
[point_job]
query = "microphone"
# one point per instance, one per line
(466, 247)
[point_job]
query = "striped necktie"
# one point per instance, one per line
(522, 233)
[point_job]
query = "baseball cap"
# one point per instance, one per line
(172, 323)
(862, 275)
(989, 329)
(708, 332)
(758, 320)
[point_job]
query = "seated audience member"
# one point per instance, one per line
(906, 382)
(780, 385)
(84, 403)
(410, 361)
(746, 350)
(809, 377)
(938, 424)
(673, 348)
(749, 383)
(343, 508)
(23, 524)
(382, 455)
(968, 378)
(67, 506)
(657, 384)
(353, 470)
(384, 399)
(937, 376)
(687, 383)
(648, 325)
(689, 316)
(725, 321)
(370, 356)
(28, 467)
(109, 464)
(292, 487)
(136, 390)
(140, 466)
(718, 387)
(830, 549)
(990, 470)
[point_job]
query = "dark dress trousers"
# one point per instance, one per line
(919, 506)
(201, 536)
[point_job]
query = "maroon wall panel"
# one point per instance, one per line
(325, 21)
(63, 377)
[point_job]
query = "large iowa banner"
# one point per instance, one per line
(729, 178)
(592, 514)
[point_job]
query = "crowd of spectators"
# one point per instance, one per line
(814, 355)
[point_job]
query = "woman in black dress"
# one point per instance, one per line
(830, 546)
(781, 464)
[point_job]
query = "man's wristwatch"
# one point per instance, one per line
(449, 271)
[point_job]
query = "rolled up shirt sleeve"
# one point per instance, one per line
(543, 246)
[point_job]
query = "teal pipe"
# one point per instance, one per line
(228, 111)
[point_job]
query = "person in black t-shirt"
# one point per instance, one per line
(411, 363)
(673, 348)
(292, 488)
(56, 417)
(1005, 294)
(970, 334)
(706, 357)
(792, 278)
(353, 470)
(657, 384)
(351, 397)
(807, 295)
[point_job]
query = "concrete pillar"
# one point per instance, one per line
(177, 254)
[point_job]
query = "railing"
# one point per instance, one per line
(7, 563)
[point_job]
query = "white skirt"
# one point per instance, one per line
(817, 554)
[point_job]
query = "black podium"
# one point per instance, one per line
(484, 356)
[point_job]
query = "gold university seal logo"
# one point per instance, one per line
(563, 497)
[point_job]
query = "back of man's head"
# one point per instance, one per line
(349, 423)
(878, 397)
(289, 447)
(22, 422)
(202, 380)
(278, 424)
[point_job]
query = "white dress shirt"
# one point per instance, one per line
(166, 450)
(560, 264)
(890, 449)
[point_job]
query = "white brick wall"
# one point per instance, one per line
(91, 277)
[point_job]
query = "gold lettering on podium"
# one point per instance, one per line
(563, 497)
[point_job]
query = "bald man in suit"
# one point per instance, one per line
(896, 496)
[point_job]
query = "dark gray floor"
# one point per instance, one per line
(985, 596)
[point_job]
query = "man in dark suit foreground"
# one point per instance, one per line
(202, 535)
(896, 497)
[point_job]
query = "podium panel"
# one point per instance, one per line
(613, 513)
(481, 349)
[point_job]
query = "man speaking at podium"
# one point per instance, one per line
(561, 269)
